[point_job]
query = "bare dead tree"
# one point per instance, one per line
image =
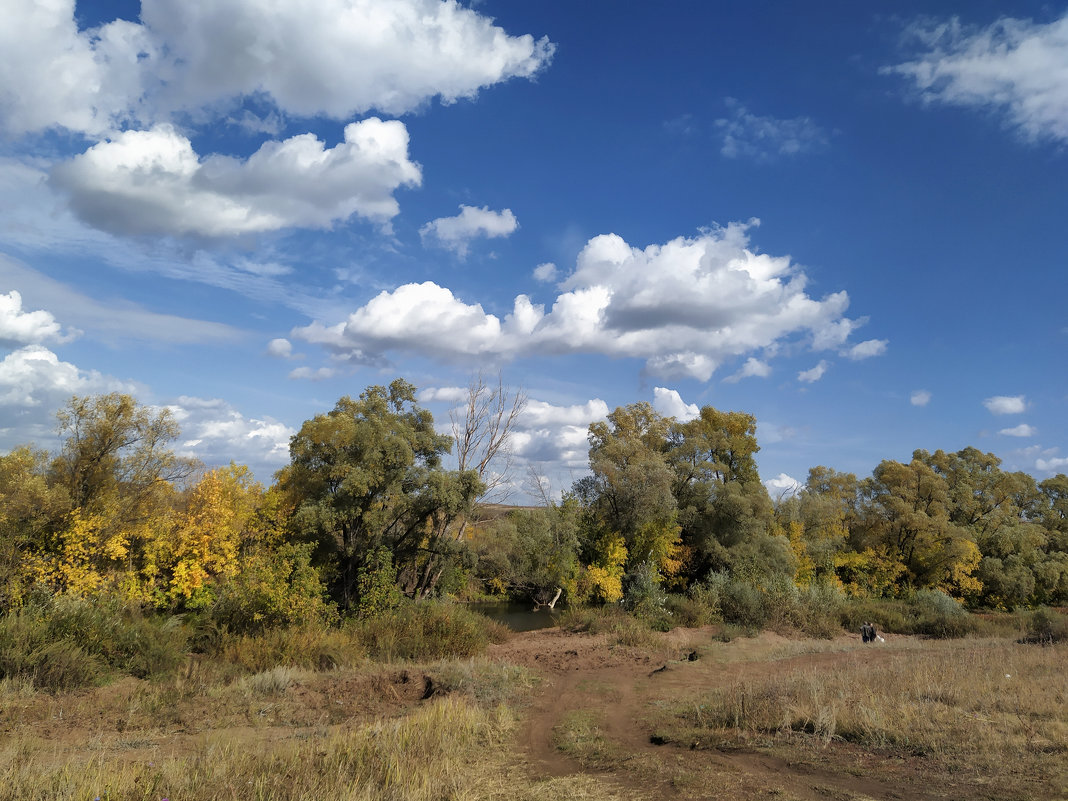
(481, 432)
(540, 487)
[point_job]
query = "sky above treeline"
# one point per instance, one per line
(850, 222)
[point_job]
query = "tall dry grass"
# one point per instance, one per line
(436, 752)
(980, 703)
(449, 748)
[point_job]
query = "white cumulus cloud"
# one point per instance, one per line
(443, 394)
(1015, 66)
(456, 233)
(920, 397)
(866, 349)
(217, 433)
(1022, 430)
(35, 376)
(53, 75)
(684, 307)
(753, 368)
(22, 327)
(1006, 404)
(783, 486)
(670, 404)
(1052, 465)
(813, 374)
(337, 58)
(280, 348)
(153, 182)
(555, 437)
(546, 273)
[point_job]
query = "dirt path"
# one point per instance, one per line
(618, 689)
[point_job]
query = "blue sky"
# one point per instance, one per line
(848, 223)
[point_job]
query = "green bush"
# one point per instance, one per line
(939, 615)
(66, 642)
(591, 619)
(743, 604)
(275, 588)
(819, 609)
(61, 666)
(889, 615)
(687, 612)
(1047, 626)
(376, 585)
(643, 596)
(707, 594)
(426, 630)
(312, 648)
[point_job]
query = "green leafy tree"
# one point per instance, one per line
(630, 490)
(369, 474)
(724, 510)
(905, 517)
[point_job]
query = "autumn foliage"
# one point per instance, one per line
(367, 512)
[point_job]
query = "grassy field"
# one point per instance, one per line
(605, 714)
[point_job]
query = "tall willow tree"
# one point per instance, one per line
(368, 475)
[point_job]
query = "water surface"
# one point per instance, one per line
(516, 616)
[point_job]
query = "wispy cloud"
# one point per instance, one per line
(1014, 66)
(748, 135)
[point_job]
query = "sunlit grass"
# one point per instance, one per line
(984, 706)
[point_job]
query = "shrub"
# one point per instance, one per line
(707, 594)
(426, 630)
(1047, 626)
(644, 597)
(939, 615)
(743, 604)
(311, 648)
(60, 666)
(67, 642)
(687, 611)
(819, 610)
(376, 584)
(590, 619)
(888, 615)
(275, 588)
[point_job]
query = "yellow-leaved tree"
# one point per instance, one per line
(218, 516)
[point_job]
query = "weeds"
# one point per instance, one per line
(425, 630)
(1047, 626)
(621, 627)
(989, 703)
(65, 643)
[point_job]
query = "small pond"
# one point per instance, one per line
(516, 616)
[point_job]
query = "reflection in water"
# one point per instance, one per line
(517, 617)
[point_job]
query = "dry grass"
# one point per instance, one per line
(448, 748)
(991, 708)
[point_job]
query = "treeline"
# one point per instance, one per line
(672, 505)
(366, 514)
